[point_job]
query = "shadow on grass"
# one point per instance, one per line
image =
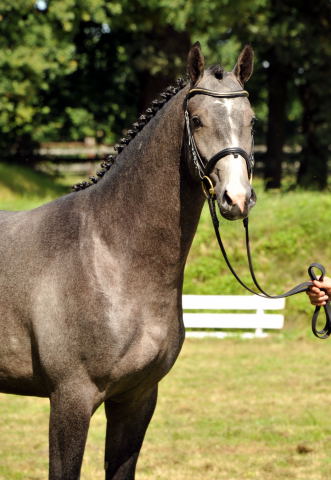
(25, 181)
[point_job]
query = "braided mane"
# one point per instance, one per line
(150, 112)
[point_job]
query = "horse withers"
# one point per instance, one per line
(91, 283)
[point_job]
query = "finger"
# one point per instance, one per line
(325, 283)
(314, 290)
(325, 298)
(317, 300)
(316, 293)
(317, 303)
(320, 298)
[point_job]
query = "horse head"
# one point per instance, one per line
(219, 121)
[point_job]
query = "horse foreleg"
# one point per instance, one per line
(126, 426)
(71, 410)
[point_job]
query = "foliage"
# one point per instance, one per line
(69, 68)
(72, 69)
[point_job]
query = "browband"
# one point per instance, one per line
(211, 93)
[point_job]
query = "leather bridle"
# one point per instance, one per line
(204, 168)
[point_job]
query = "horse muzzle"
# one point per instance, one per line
(235, 205)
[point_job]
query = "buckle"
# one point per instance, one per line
(207, 187)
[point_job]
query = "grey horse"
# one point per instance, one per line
(91, 283)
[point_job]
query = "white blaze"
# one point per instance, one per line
(235, 186)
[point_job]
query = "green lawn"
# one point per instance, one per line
(229, 410)
(22, 188)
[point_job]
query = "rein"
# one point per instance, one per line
(204, 168)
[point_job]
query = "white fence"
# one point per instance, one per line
(254, 319)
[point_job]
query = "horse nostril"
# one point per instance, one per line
(237, 199)
(227, 199)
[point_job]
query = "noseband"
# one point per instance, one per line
(205, 167)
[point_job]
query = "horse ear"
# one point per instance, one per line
(195, 63)
(244, 66)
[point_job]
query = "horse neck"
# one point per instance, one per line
(147, 206)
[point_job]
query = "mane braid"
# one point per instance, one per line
(150, 112)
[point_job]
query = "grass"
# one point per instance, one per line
(229, 410)
(22, 188)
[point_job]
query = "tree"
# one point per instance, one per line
(77, 68)
(32, 55)
(316, 103)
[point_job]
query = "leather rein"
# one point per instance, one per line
(204, 168)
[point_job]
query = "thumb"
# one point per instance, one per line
(318, 284)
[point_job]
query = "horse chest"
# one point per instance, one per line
(134, 350)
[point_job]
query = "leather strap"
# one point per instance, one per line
(230, 151)
(212, 93)
(301, 287)
(326, 330)
(204, 167)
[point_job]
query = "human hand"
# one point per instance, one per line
(320, 293)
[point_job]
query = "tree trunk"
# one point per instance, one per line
(313, 170)
(277, 97)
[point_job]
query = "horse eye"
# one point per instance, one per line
(196, 122)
